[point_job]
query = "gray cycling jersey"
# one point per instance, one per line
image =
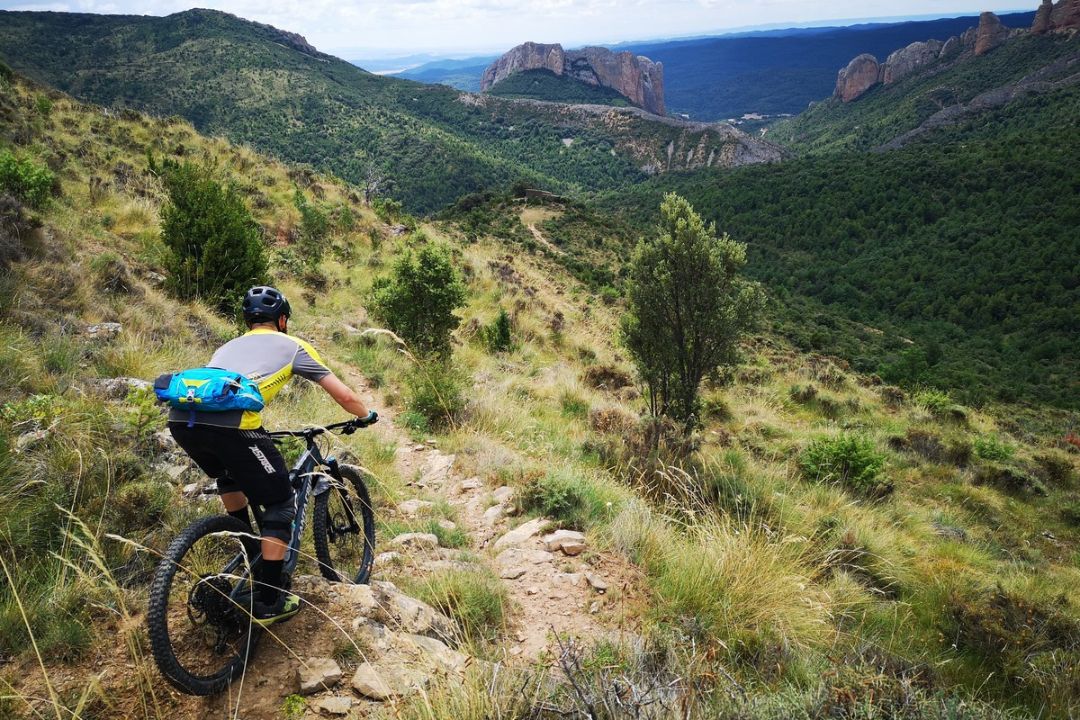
(269, 358)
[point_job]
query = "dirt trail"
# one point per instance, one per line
(580, 594)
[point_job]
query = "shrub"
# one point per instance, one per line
(1008, 478)
(1055, 467)
(935, 401)
(112, 275)
(475, 598)
(25, 179)
(606, 377)
(497, 335)
(215, 250)
(573, 405)
(1070, 514)
(955, 451)
(314, 227)
(434, 395)
(848, 460)
(988, 447)
(572, 500)
(418, 300)
(688, 308)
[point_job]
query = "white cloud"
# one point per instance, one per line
(409, 25)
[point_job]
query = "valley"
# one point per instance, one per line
(873, 510)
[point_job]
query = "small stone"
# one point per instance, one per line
(447, 524)
(359, 597)
(411, 508)
(438, 651)
(316, 675)
(387, 558)
(419, 448)
(415, 541)
(532, 591)
(521, 556)
(175, 472)
(374, 683)
(512, 573)
(569, 541)
(521, 637)
(503, 494)
(596, 582)
(155, 277)
(430, 441)
(522, 533)
(104, 330)
(595, 607)
(118, 388)
(437, 469)
(516, 650)
(27, 441)
(494, 514)
(191, 490)
(334, 705)
(470, 485)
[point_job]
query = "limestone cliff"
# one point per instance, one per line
(864, 72)
(1056, 17)
(638, 78)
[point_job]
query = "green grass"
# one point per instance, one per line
(474, 598)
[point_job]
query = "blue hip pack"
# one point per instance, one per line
(208, 390)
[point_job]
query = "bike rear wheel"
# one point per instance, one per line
(344, 529)
(200, 637)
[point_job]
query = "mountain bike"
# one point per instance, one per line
(201, 597)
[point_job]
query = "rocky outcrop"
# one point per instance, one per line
(636, 77)
(907, 60)
(860, 75)
(991, 33)
(1062, 16)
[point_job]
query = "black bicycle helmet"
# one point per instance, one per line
(265, 304)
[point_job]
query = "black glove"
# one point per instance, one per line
(371, 419)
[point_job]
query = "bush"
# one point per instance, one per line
(497, 335)
(988, 447)
(475, 598)
(688, 308)
(955, 451)
(572, 500)
(215, 250)
(25, 179)
(1008, 479)
(848, 460)
(418, 300)
(314, 227)
(1055, 467)
(434, 395)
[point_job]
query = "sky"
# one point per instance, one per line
(381, 28)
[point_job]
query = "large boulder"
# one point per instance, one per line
(1065, 15)
(990, 34)
(1043, 16)
(860, 75)
(907, 60)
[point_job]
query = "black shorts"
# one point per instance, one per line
(244, 461)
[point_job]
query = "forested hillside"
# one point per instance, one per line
(428, 143)
(951, 262)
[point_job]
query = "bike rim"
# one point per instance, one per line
(208, 607)
(345, 536)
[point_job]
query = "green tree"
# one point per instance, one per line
(215, 249)
(688, 307)
(314, 228)
(498, 335)
(419, 298)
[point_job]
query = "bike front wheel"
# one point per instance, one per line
(199, 615)
(344, 528)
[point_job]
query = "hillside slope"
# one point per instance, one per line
(725, 573)
(257, 85)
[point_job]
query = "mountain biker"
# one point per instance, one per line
(233, 448)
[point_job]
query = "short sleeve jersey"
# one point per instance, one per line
(269, 358)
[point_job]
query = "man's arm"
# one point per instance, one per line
(343, 395)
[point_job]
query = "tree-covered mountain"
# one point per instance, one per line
(259, 85)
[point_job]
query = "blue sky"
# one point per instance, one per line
(387, 27)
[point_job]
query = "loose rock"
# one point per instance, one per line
(569, 541)
(512, 573)
(316, 675)
(598, 584)
(411, 508)
(522, 533)
(334, 705)
(415, 541)
(104, 331)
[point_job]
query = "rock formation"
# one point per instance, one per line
(906, 60)
(1051, 17)
(860, 75)
(638, 78)
(991, 33)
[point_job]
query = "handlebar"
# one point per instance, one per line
(347, 427)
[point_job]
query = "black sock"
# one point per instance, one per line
(270, 580)
(242, 515)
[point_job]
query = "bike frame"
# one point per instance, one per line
(307, 481)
